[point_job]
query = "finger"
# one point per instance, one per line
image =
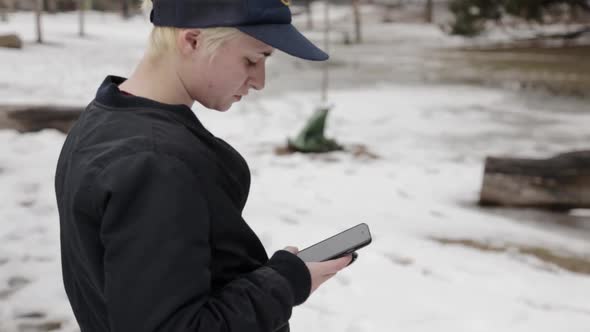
(291, 249)
(336, 265)
(327, 277)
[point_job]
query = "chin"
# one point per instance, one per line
(216, 107)
(223, 108)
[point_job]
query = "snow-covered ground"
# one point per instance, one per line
(431, 141)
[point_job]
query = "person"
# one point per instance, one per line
(150, 202)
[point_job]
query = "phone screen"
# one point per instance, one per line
(344, 242)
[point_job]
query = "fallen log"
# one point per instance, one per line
(34, 118)
(561, 182)
(11, 41)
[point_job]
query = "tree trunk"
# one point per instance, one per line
(573, 13)
(81, 9)
(126, 9)
(561, 182)
(309, 17)
(326, 68)
(357, 21)
(38, 10)
(52, 6)
(3, 11)
(428, 11)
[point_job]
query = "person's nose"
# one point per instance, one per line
(258, 76)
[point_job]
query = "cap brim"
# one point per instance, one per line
(286, 38)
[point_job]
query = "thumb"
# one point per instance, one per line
(291, 249)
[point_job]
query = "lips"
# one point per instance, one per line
(239, 96)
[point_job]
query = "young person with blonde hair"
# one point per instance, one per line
(150, 202)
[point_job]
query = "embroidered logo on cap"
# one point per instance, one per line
(286, 2)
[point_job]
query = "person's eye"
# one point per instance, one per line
(250, 62)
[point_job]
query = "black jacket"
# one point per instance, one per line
(152, 237)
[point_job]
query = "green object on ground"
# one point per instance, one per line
(311, 138)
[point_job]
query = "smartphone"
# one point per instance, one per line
(339, 245)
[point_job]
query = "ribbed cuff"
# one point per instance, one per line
(295, 271)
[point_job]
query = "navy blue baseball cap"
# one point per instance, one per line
(266, 20)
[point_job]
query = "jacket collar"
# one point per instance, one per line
(109, 95)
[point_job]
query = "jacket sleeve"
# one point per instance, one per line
(155, 231)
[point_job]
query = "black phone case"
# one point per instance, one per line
(354, 257)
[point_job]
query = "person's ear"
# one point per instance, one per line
(189, 40)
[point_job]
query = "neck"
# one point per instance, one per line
(156, 79)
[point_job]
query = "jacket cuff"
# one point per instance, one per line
(295, 271)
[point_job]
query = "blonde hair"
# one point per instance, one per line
(162, 40)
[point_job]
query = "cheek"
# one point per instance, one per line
(192, 80)
(228, 81)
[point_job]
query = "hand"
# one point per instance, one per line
(322, 271)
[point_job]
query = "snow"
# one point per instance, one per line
(431, 141)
